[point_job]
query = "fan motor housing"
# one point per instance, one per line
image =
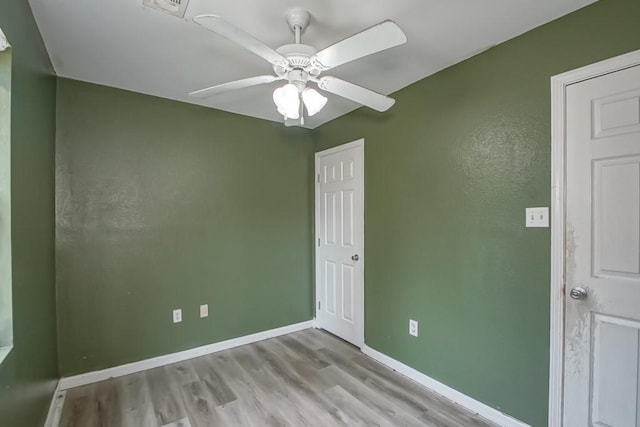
(298, 56)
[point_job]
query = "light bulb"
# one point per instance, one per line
(287, 100)
(313, 100)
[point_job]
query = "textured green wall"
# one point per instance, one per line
(449, 172)
(27, 376)
(164, 205)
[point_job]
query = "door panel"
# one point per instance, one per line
(340, 232)
(615, 378)
(603, 251)
(330, 287)
(616, 203)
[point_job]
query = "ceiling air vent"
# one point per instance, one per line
(172, 7)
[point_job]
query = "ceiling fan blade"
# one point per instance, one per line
(384, 35)
(237, 84)
(356, 93)
(244, 39)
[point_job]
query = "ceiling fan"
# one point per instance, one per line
(300, 64)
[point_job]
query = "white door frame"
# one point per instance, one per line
(559, 84)
(359, 294)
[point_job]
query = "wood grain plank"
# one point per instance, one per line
(107, 412)
(394, 392)
(436, 403)
(373, 399)
(294, 407)
(249, 395)
(219, 390)
(165, 396)
(77, 407)
(300, 384)
(201, 412)
(358, 411)
(136, 406)
(184, 422)
(309, 355)
(305, 379)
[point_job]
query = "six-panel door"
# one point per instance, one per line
(602, 331)
(340, 234)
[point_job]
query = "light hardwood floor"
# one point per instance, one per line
(309, 378)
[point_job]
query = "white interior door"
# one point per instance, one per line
(602, 255)
(340, 241)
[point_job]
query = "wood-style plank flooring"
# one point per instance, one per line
(309, 378)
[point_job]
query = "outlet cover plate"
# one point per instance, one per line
(177, 315)
(204, 310)
(413, 327)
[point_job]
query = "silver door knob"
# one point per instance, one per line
(578, 293)
(355, 257)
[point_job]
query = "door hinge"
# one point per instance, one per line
(319, 305)
(318, 178)
(318, 242)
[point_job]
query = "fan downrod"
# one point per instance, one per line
(298, 54)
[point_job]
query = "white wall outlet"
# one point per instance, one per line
(204, 310)
(413, 327)
(177, 315)
(537, 217)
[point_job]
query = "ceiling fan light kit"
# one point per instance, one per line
(300, 64)
(287, 100)
(313, 101)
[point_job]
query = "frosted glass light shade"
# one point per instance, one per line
(313, 101)
(287, 99)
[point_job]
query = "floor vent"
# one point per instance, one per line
(172, 7)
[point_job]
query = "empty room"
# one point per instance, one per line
(304, 213)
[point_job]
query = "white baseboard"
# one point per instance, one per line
(130, 368)
(55, 408)
(461, 399)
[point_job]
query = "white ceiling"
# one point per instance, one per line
(121, 43)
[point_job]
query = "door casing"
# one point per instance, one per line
(359, 295)
(559, 84)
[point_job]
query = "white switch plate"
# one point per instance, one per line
(177, 315)
(204, 310)
(537, 217)
(413, 327)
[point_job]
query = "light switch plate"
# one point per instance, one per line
(537, 217)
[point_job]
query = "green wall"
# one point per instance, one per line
(164, 205)
(27, 376)
(449, 172)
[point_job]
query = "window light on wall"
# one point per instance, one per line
(6, 312)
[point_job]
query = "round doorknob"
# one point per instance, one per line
(355, 257)
(578, 293)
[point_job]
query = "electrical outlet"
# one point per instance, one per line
(177, 315)
(204, 310)
(413, 327)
